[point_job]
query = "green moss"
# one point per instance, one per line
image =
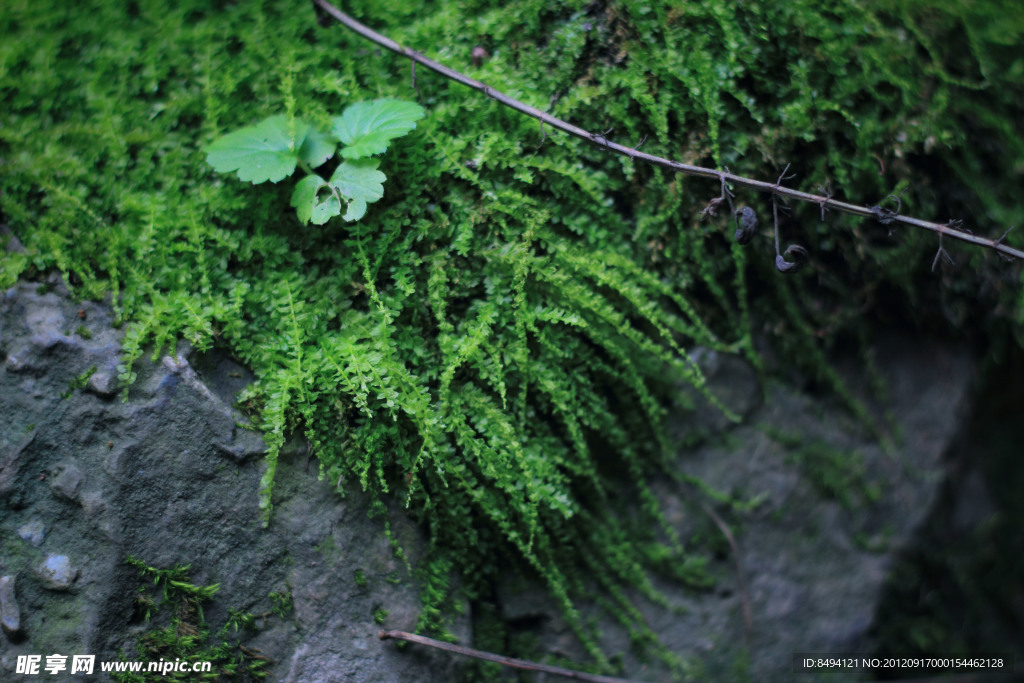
(836, 474)
(328, 548)
(61, 621)
(494, 344)
(878, 543)
(78, 382)
(185, 638)
(282, 603)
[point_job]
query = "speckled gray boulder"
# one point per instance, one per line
(171, 476)
(809, 568)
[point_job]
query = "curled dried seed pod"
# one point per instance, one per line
(712, 208)
(747, 225)
(797, 253)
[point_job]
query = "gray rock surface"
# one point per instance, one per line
(170, 477)
(57, 573)
(811, 558)
(10, 613)
(815, 554)
(33, 531)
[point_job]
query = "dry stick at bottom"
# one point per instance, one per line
(326, 9)
(506, 661)
(748, 621)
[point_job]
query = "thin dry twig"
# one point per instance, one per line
(748, 619)
(255, 654)
(499, 659)
(600, 139)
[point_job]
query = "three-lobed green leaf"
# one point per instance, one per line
(269, 150)
(316, 148)
(360, 182)
(272, 149)
(366, 128)
(356, 182)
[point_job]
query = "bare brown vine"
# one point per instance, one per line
(951, 229)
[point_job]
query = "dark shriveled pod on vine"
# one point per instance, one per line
(747, 225)
(797, 253)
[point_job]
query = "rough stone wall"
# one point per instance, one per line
(804, 572)
(169, 477)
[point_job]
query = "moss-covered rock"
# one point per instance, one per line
(499, 338)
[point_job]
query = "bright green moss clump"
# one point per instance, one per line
(495, 341)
